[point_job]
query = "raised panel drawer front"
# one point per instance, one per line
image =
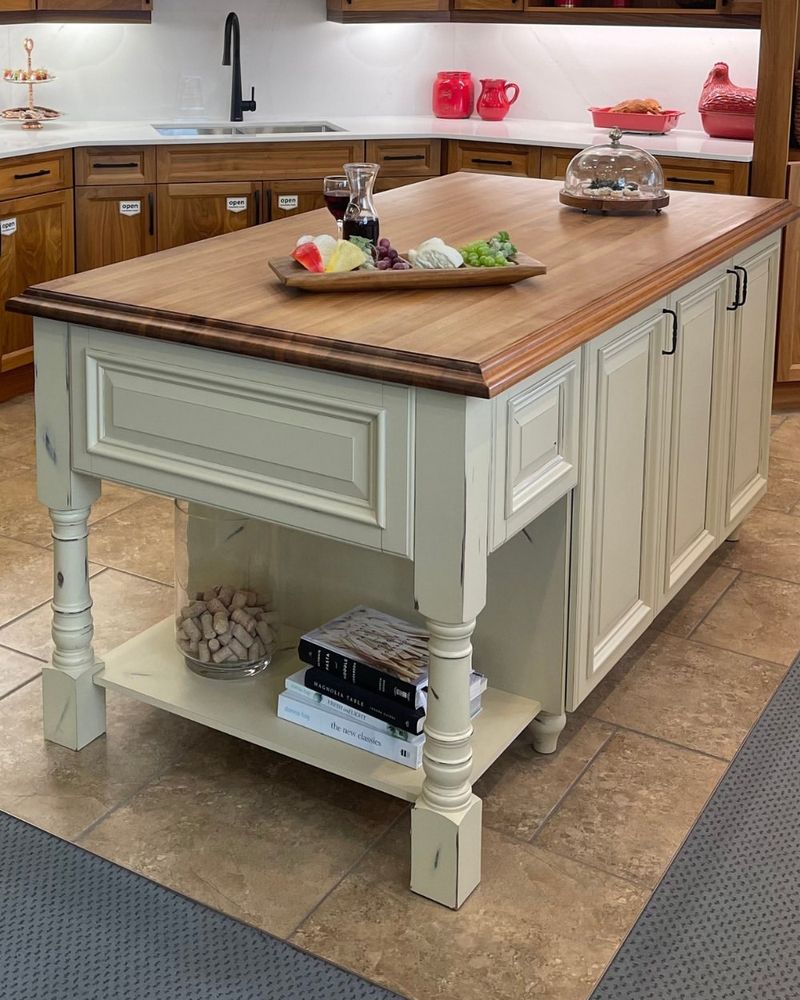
(536, 446)
(406, 157)
(321, 452)
(115, 165)
(493, 158)
(256, 161)
(40, 172)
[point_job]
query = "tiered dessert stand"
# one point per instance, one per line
(31, 115)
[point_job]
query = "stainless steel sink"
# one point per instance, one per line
(263, 128)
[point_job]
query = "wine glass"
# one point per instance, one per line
(336, 191)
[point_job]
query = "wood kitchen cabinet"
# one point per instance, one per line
(75, 10)
(493, 158)
(191, 212)
(114, 223)
(37, 244)
(339, 10)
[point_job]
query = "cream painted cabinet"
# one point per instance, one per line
(692, 386)
(614, 555)
(751, 349)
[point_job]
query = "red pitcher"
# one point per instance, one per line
(453, 94)
(494, 102)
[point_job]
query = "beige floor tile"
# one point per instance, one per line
(64, 792)
(769, 544)
(783, 493)
(123, 606)
(16, 669)
(18, 431)
(522, 787)
(26, 578)
(24, 518)
(9, 469)
(539, 926)
(138, 539)
(775, 420)
(631, 810)
(247, 831)
(785, 440)
(701, 697)
(758, 616)
(693, 602)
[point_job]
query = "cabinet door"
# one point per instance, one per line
(114, 224)
(614, 565)
(788, 367)
(489, 5)
(752, 347)
(37, 246)
(693, 382)
(387, 6)
(293, 198)
(121, 6)
(191, 212)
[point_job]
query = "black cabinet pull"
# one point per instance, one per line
(737, 294)
(26, 177)
(674, 315)
(258, 207)
(114, 166)
(406, 156)
(709, 181)
(495, 163)
(151, 208)
(737, 268)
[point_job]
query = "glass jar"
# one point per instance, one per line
(360, 217)
(614, 178)
(226, 621)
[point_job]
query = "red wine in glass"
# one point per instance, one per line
(365, 226)
(337, 204)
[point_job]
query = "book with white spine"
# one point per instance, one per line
(346, 730)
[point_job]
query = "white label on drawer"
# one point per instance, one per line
(130, 208)
(288, 202)
(237, 204)
(8, 227)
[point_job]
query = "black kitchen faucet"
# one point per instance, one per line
(232, 57)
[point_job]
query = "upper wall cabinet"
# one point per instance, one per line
(120, 11)
(697, 13)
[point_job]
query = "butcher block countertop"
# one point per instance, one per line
(221, 295)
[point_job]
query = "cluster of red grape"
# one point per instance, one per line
(388, 259)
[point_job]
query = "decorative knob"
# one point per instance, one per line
(616, 136)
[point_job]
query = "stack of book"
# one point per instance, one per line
(366, 684)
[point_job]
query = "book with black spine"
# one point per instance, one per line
(369, 702)
(373, 651)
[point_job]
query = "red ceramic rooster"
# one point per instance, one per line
(727, 111)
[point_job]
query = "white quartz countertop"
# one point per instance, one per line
(64, 134)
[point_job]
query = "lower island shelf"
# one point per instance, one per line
(150, 669)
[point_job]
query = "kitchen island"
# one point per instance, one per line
(558, 458)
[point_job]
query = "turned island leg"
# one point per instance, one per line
(452, 489)
(74, 707)
(545, 731)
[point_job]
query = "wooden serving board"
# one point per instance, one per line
(294, 275)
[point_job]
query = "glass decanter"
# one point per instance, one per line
(360, 218)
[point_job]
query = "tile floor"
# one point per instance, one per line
(574, 843)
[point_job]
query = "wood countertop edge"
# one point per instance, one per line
(483, 379)
(389, 365)
(530, 355)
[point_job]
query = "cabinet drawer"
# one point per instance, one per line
(321, 452)
(256, 161)
(493, 158)
(23, 175)
(403, 158)
(115, 165)
(535, 446)
(717, 176)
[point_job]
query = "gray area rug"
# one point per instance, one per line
(74, 926)
(724, 922)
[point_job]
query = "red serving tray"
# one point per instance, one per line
(628, 122)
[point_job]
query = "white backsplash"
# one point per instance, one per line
(305, 67)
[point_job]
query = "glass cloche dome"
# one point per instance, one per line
(614, 178)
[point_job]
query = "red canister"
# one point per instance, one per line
(453, 94)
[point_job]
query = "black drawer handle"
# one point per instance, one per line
(27, 177)
(674, 315)
(115, 166)
(406, 156)
(709, 181)
(494, 163)
(738, 293)
(257, 196)
(737, 268)
(151, 209)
